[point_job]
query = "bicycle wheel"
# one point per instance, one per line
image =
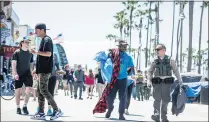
(8, 93)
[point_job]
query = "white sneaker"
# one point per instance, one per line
(39, 116)
(56, 114)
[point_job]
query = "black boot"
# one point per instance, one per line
(156, 118)
(121, 117)
(108, 114)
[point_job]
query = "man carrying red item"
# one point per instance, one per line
(121, 62)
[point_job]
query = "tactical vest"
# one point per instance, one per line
(162, 67)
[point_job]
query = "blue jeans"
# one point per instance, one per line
(120, 86)
(134, 92)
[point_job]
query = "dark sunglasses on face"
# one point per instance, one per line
(123, 46)
(158, 49)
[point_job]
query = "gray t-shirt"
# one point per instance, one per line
(24, 59)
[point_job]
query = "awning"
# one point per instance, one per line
(7, 51)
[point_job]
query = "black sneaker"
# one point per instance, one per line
(39, 116)
(56, 114)
(80, 98)
(25, 110)
(156, 118)
(121, 117)
(19, 111)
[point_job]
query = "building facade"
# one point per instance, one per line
(9, 21)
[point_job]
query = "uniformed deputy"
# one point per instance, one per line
(161, 81)
(140, 85)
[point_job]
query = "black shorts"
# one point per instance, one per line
(26, 79)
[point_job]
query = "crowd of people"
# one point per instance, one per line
(42, 77)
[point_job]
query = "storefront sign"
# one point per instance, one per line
(7, 51)
(6, 35)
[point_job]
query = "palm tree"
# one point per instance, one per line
(181, 46)
(150, 42)
(200, 37)
(177, 42)
(126, 29)
(174, 6)
(179, 29)
(149, 14)
(139, 27)
(140, 13)
(181, 39)
(157, 5)
(120, 17)
(111, 37)
(133, 51)
(131, 5)
(191, 8)
(207, 5)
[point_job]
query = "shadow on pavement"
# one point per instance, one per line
(54, 120)
(135, 115)
(46, 116)
(116, 119)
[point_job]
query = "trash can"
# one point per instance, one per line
(204, 93)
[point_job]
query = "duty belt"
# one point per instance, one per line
(158, 80)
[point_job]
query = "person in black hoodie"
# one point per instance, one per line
(65, 79)
(70, 81)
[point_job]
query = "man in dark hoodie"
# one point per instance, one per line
(71, 81)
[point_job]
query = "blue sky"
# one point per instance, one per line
(85, 25)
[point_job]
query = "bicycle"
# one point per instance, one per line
(7, 88)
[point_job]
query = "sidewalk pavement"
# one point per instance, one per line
(81, 110)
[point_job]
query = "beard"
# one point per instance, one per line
(123, 49)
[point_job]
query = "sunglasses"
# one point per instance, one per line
(158, 49)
